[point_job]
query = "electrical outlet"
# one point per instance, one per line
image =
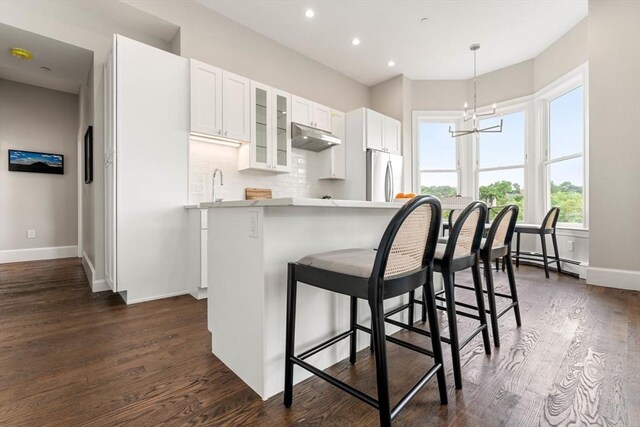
(31, 234)
(197, 188)
(253, 224)
(570, 245)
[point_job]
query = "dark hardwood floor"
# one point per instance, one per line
(70, 357)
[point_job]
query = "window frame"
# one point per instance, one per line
(451, 117)
(544, 97)
(505, 108)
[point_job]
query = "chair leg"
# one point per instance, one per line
(497, 264)
(512, 286)
(412, 297)
(555, 249)
(379, 343)
(352, 340)
(424, 306)
(292, 285)
(545, 258)
(477, 285)
(517, 249)
(429, 299)
(488, 275)
(453, 327)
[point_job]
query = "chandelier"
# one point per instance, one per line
(473, 114)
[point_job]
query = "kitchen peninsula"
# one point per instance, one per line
(250, 243)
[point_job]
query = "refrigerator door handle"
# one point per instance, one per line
(388, 183)
(392, 187)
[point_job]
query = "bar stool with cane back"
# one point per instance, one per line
(402, 263)
(459, 252)
(498, 245)
(548, 226)
(451, 219)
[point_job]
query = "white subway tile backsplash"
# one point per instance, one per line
(301, 182)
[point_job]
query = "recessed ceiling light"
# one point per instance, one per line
(18, 52)
(355, 41)
(309, 13)
(391, 63)
(46, 69)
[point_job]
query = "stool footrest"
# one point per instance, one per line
(506, 309)
(460, 313)
(415, 389)
(336, 382)
(324, 345)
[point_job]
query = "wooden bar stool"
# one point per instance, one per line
(459, 252)
(548, 226)
(402, 263)
(498, 245)
(451, 219)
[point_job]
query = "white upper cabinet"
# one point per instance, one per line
(220, 102)
(206, 98)
(382, 133)
(269, 148)
(236, 110)
(332, 161)
(302, 111)
(309, 113)
(391, 135)
(374, 127)
(322, 117)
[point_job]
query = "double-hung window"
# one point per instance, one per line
(438, 159)
(501, 163)
(564, 159)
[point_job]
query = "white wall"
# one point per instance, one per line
(614, 139)
(44, 120)
(564, 55)
(217, 40)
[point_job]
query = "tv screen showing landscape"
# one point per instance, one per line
(29, 161)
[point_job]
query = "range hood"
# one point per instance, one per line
(312, 139)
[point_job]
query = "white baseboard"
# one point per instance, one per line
(38, 254)
(97, 285)
(155, 297)
(200, 293)
(613, 278)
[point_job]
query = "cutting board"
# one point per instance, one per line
(257, 193)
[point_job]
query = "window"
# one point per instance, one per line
(438, 159)
(564, 157)
(501, 163)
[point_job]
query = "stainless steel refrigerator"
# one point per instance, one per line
(384, 175)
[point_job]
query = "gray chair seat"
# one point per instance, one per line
(528, 228)
(352, 262)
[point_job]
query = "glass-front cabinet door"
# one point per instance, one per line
(282, 131)
(261, 152)
(270, 146)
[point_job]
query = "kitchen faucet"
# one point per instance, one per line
(213, 185)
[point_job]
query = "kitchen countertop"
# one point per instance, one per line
(299, 202)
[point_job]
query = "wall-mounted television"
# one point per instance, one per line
(31, 161)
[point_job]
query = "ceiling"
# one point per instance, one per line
(69, 64)
(509, 31)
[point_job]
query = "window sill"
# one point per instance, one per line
(562, 230)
